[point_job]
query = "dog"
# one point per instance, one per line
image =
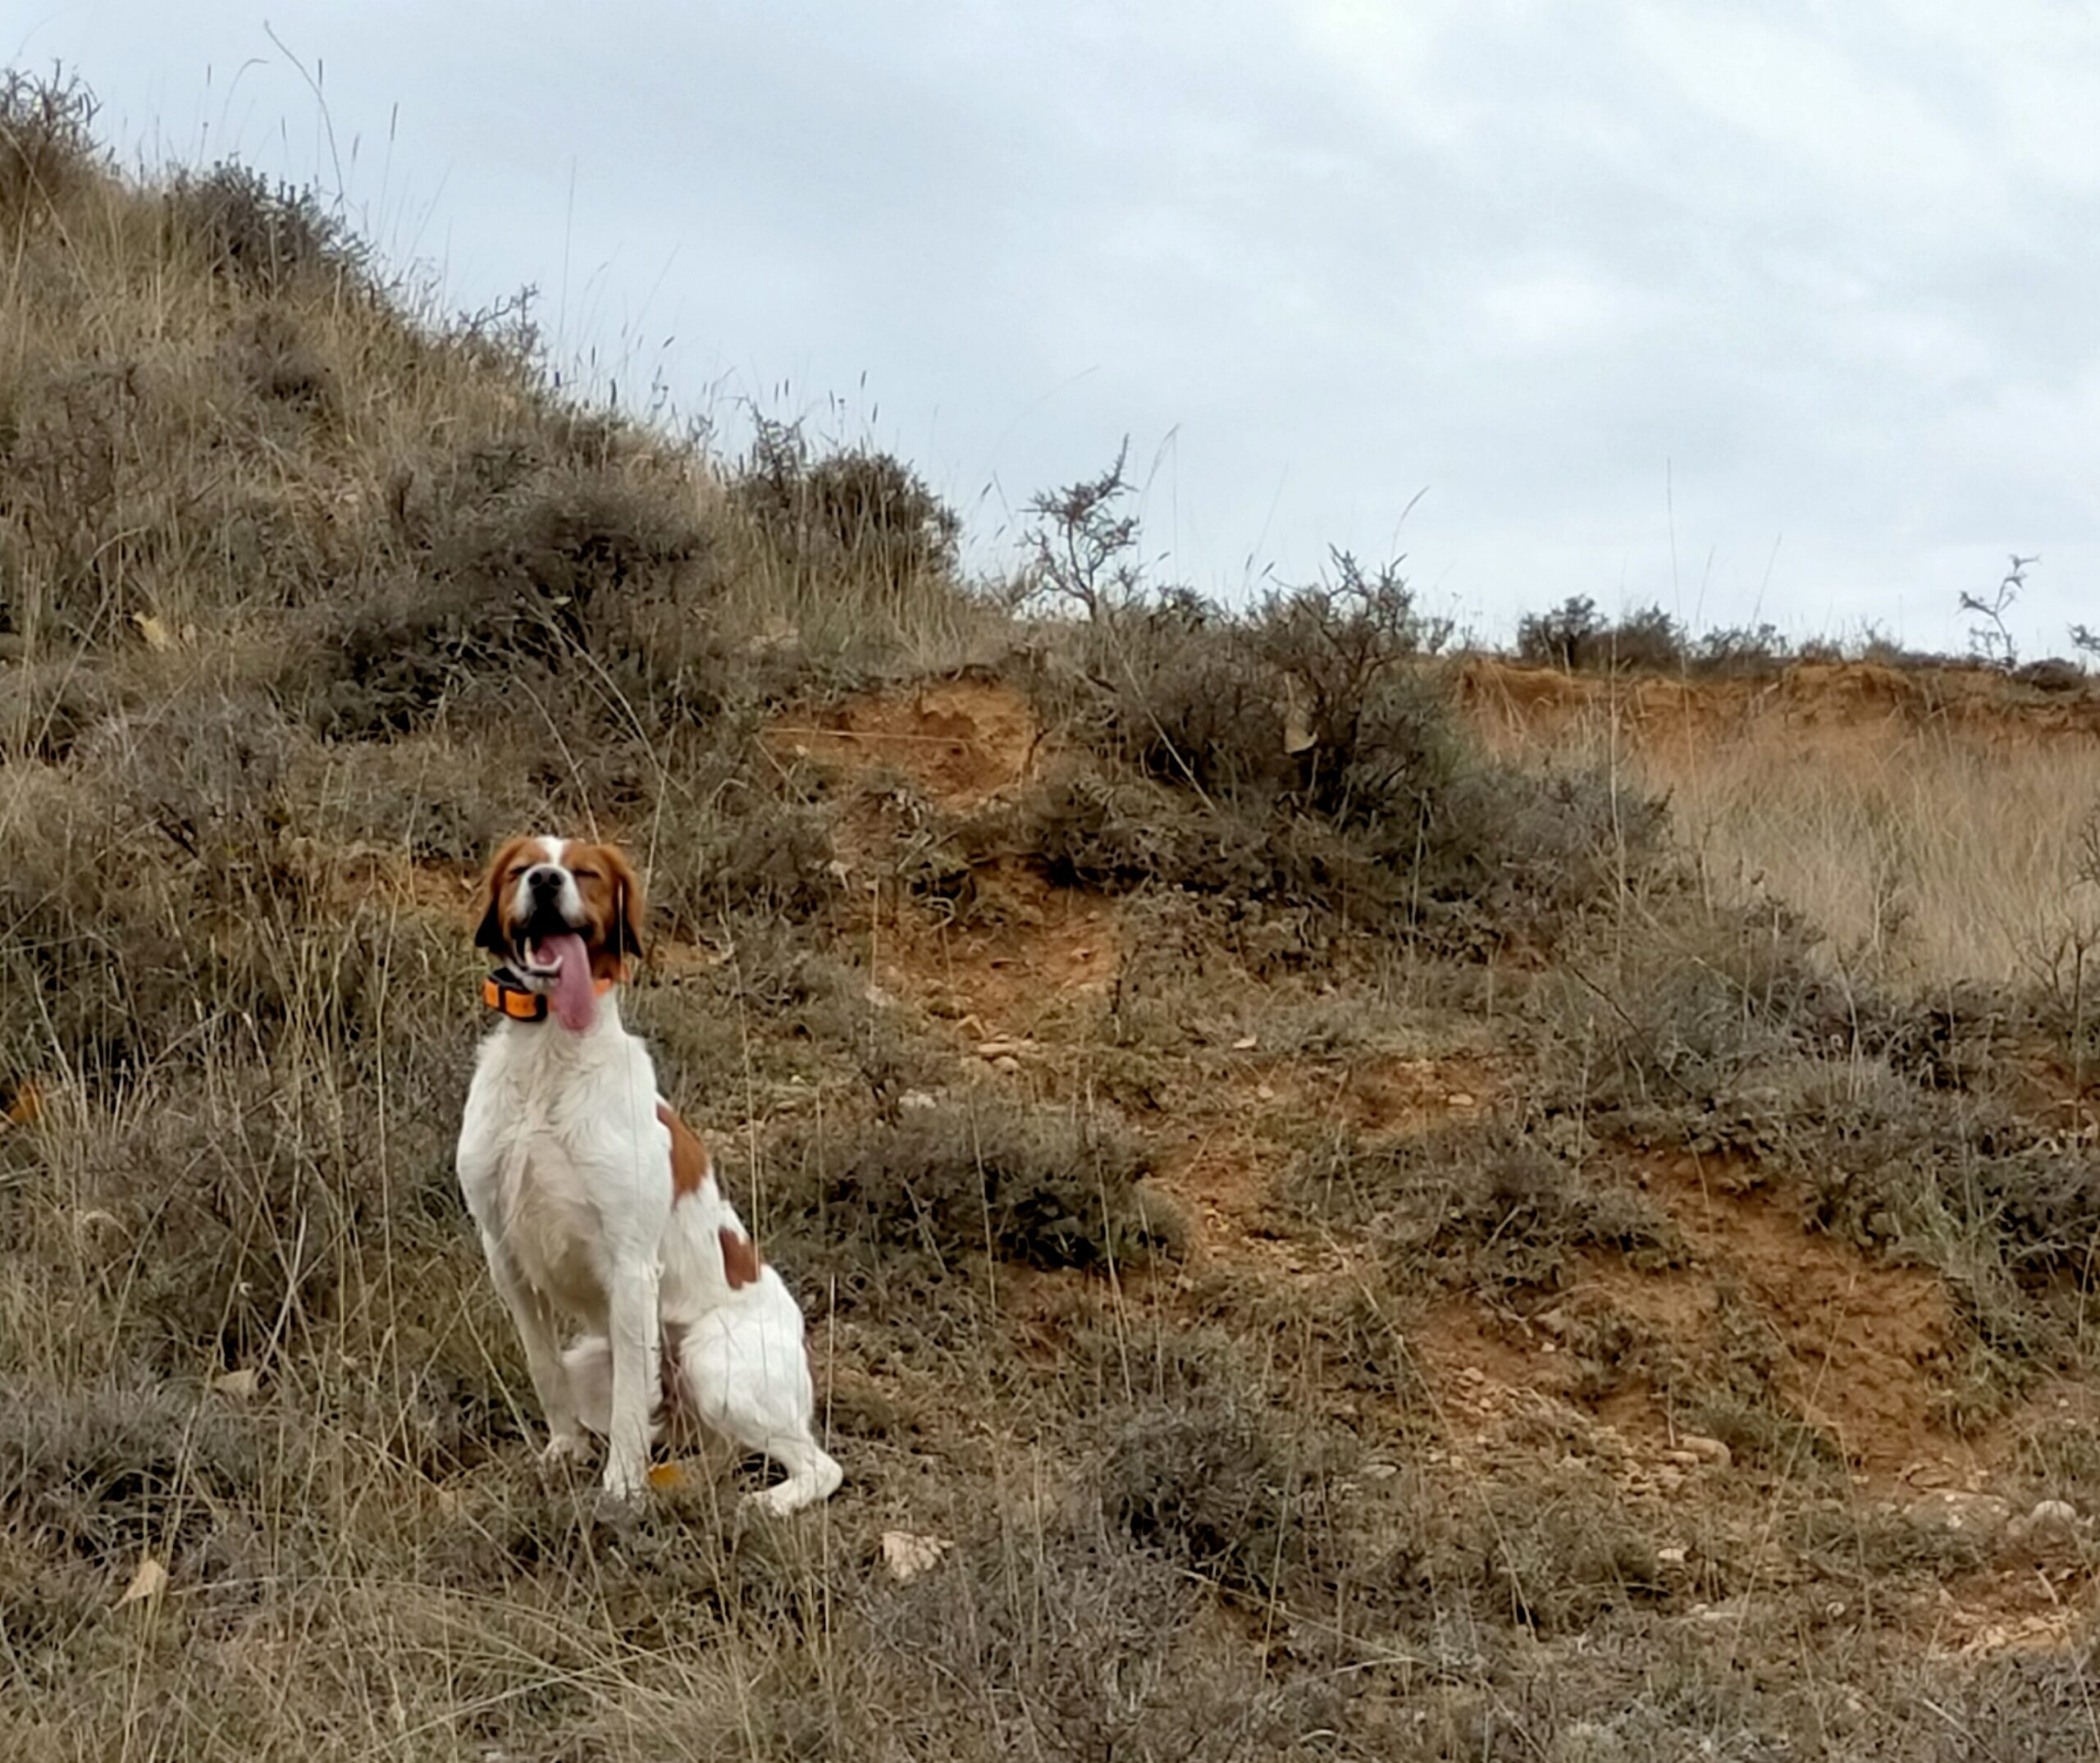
(598, 1206)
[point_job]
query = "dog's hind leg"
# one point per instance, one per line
(748, 1378)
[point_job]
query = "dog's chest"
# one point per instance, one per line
(553, 1136)
(550, 1225)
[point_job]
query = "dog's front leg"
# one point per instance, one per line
(635, 1346)
(542, 1343)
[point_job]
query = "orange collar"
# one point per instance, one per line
(502, 993)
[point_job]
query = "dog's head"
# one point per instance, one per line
(541, 893)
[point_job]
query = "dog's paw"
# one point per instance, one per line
(565, 1449)
(624, 1482)
(776, 1501)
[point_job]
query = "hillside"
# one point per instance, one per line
(1352, 1201)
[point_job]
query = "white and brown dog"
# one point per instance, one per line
(598, 1206)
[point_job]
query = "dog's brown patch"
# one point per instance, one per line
(740, 1259)
(690, 1166)
(611, 897)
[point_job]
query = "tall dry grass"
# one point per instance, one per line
(1934, 855)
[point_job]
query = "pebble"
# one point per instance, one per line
(1951, 1510)
(2048, 1515)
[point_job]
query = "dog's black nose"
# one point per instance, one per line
(544, 879)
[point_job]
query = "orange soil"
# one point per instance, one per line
(1514, 705)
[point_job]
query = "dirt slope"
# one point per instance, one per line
(1860, 1351)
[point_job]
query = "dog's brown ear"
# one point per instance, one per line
(490, 934)
(630, 911)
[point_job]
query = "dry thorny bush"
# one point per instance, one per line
(1302, 751)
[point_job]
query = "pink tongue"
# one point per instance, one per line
(576, 1000)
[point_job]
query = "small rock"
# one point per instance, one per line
(914, 1101)
(1671, 1554)
(1706, 1449)
(2050, 1516)
(1247, 1044)
(1952, 1510)
(147, 1584)
(1729, 1609)
(242, 1382)
(907, 1556)
(1264, 1093)
(1459, 1100)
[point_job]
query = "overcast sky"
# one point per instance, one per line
(1816, 286)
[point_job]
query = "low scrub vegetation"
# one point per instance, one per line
(1304, 752)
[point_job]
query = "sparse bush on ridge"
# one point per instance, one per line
(1576, 636)
(47, 146)
(853, 505)
(268, 236)
(1304, 752)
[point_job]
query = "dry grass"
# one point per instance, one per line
(1936, 855)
